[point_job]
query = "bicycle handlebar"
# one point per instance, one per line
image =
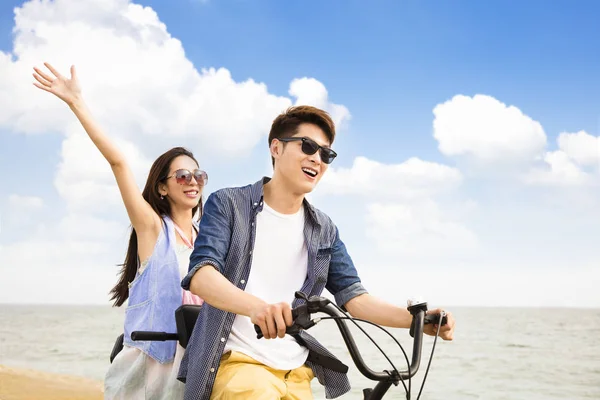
(315, 304)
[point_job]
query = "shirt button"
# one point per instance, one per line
(222, 339)
(250, 252)
(255, 204)
(242, 281)
(212, 370)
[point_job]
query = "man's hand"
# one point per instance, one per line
(446, 331)
(273, 319)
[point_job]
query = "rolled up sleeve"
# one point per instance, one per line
(343, 281)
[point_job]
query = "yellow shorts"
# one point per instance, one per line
(242, 377)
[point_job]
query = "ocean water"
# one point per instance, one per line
(497, 354)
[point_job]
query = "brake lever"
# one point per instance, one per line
(301, 314)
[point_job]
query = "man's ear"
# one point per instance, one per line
(276, 148)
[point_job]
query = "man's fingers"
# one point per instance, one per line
(281, 326)
(447, 330)
(437, 313)
(274, 319)
(73, 73)
(451, 321)
(287, 314)
(271, 328)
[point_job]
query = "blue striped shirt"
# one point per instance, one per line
(226, 242)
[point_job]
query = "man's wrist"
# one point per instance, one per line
(252, 304)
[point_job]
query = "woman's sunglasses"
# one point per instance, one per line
(310, 147)
(184, 176)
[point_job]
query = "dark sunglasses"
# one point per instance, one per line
(184, 176)
(310, 147)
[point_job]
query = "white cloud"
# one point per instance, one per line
(581, 147)
(21, 211)
(84, 178)
(16, 201)
(571, 165)
(559, 170)
(419, 230)
(74, 260)
(486, 129)
(50, 270)
(83, 226)
(410, 179)
(309, 91)
(490, 132)
(401, 202)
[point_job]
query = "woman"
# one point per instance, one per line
(157, 257)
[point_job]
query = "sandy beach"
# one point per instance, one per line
(26, 384)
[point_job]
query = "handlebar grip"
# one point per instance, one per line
(153, 336)
(259, 334)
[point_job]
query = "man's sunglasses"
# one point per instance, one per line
(310, 147)
(184, 176)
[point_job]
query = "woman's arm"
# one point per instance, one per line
(142, 216)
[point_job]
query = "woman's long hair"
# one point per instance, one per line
(158, 174)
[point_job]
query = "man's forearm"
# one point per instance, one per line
(378, 311)
(210, 285)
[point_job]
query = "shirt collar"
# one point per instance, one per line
(257, 197)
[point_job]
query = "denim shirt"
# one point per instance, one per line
(226, 242)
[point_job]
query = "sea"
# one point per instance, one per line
(497, 353)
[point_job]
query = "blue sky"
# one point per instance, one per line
(389, 64)
(392, 62)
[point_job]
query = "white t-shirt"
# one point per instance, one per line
(278, 270)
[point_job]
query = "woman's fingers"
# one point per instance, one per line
(41, 86)
(48, 80)
(41, 80)
(54, 72)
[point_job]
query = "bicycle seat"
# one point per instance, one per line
(185, 318)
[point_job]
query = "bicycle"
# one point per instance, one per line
(186, 316)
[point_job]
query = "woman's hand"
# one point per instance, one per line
(66, 89)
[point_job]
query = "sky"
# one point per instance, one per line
(468, 168)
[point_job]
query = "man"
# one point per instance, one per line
(257, 246)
